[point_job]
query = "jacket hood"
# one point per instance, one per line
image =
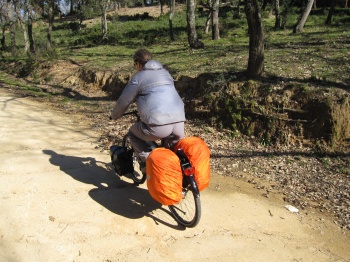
(152, 65)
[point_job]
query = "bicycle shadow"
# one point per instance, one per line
(116, 195)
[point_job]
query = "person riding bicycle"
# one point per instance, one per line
(159, 105)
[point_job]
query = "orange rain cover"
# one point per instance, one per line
(164, 176)
(198, 153)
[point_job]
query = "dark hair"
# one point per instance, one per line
(142, 56)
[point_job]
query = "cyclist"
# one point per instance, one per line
(159, 105)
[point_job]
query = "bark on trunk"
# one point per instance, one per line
(12, 26)
(330, 13)
(256, 39)
(49, 29)
(104, 5)
(277, 14)
(302, 20)
(215, 20)
(3, 39)
(30, 35)
(171, 15)
(191, 26)
(209, 19)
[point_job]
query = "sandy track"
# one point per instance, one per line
(60, 201)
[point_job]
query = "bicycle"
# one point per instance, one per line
(188, 211)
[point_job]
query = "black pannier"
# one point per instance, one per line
(121, 160)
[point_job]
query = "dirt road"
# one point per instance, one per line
(60, 201)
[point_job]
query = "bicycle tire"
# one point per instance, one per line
(188, 211)
(137, 176)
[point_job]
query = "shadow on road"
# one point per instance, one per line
(120, 197)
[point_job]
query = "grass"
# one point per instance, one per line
(316, 53)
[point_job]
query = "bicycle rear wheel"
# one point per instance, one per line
(188, 211)
(137, 176)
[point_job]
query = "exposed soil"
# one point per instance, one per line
(61, 201)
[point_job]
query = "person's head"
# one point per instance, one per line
(141, 57)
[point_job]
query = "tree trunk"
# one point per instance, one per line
(191, 26)
(215, 20)
(171, 15)
(330, 13)
(3, 38)
(29, 9)
(302, 20)
(162, 3)
(30, 35)
(51, 20)
(277, 14)
(104, 4)
(12, 26)
(209, 19)
(256, 39)
(25, 36)
(18, 11)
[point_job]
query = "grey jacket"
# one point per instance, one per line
(158, 102)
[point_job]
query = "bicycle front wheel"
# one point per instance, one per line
(137, 176)
(188, 211)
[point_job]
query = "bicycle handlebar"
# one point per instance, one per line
(134, 112)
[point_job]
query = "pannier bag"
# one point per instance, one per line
(121, 160)
(198, 154)
(164, 176)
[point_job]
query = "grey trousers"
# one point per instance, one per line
(140, 133)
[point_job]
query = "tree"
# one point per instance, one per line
(330, 13)
(209, 19)
(104, 5)
(299, 27)
(4, 23)
(12, 25)
(51, 17)
(20, 17)
(191, 26)
(256, 39)
(277, 14)
(29, 9)
(215, 20)
(171, 15)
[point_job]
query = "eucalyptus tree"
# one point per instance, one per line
(256, 39)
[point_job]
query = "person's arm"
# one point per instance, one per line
(127, 97)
